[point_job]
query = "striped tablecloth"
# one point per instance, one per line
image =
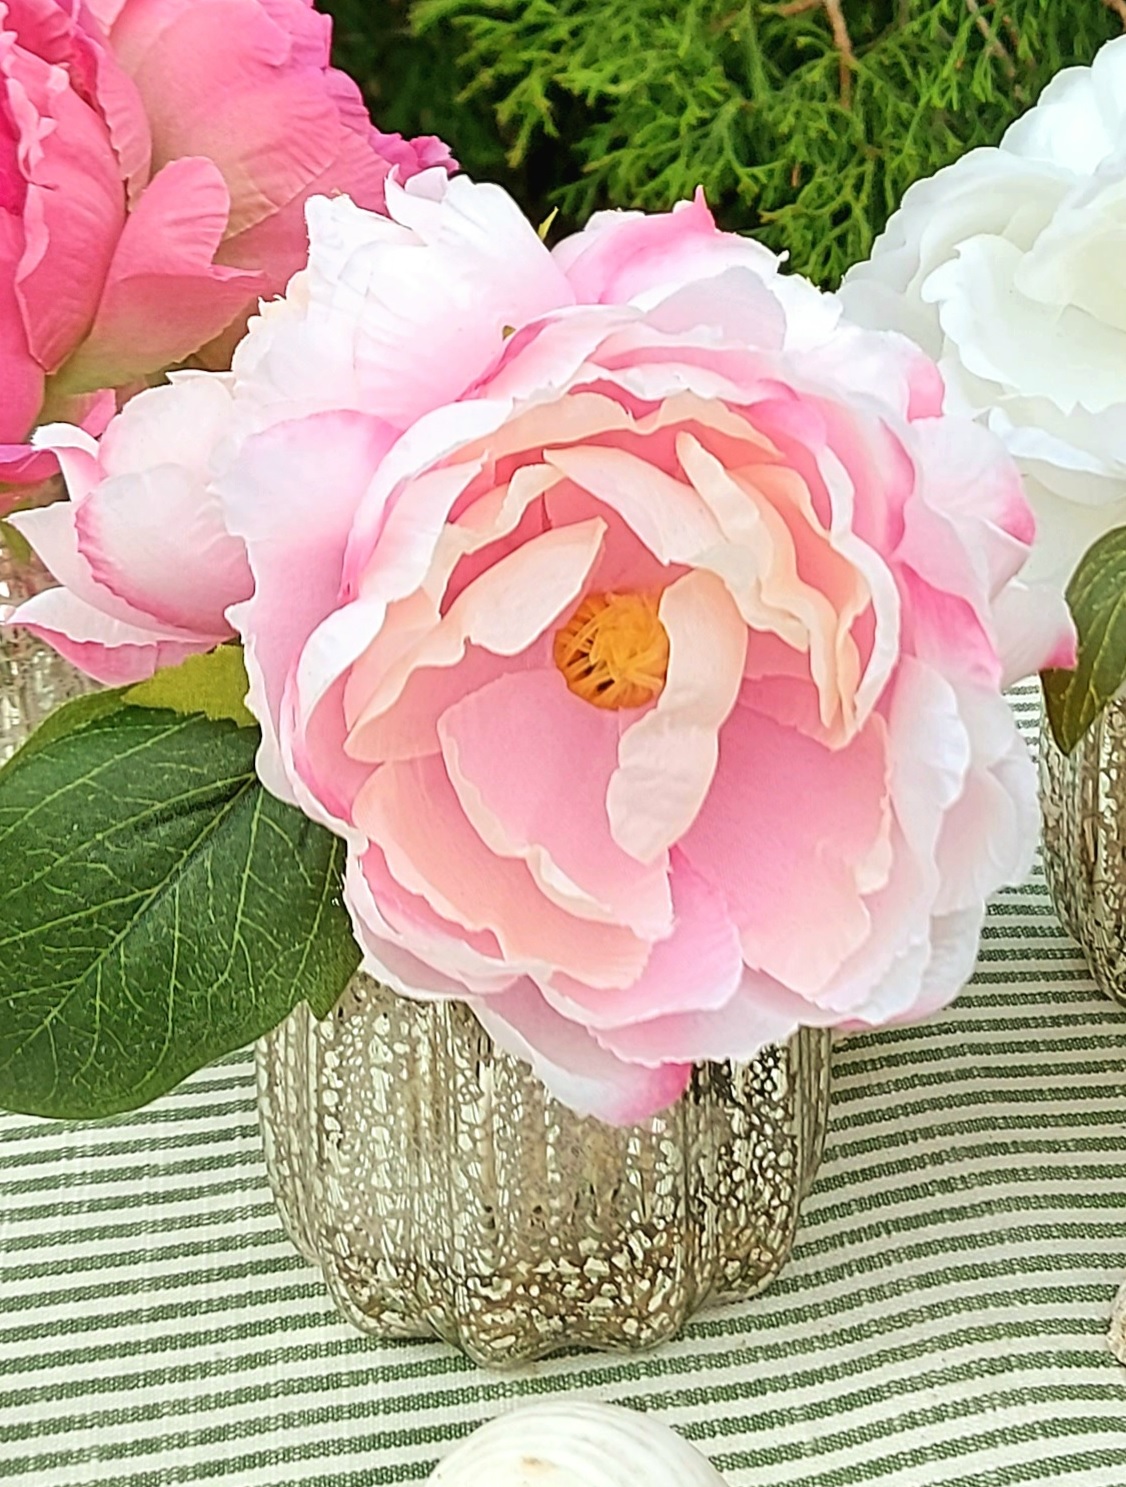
(941, 1325)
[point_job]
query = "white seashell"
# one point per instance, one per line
(574, 1443)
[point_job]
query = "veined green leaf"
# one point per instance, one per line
(1096, 597)
(157, 909)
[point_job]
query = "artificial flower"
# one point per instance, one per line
(155, 159)
(639, 623)
(1008, 268)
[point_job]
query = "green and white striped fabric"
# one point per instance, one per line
(941, 1325)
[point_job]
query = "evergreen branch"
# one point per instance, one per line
(842, 40)
(585, 104)
(993, 42)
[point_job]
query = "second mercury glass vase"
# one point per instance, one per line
(1083, 804)
(444, 1193)
(34, 680)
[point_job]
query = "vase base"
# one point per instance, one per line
(444, 1194)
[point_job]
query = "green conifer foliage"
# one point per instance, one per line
(636, 102)
(415, 84)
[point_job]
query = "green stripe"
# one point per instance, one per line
(436, 1401)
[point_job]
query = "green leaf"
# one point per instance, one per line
(1096, 597)
(214, 684)
(157, 909)
(16, 543)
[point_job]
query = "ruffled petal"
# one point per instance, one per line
(667, 760)
(164, 297)
(315, 472)
(411, 811)
(795, 835)
(696, 968)
(110, 650)
(576, 1070)
(530, 763)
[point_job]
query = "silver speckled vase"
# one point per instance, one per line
(1083, 803)
(445, 1194)
(34, 680)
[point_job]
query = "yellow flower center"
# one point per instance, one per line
(614, 651)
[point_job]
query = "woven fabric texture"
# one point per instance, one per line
(941, 1324)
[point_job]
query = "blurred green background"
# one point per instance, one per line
(581, 104)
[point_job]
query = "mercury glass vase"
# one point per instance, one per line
(444, 1193)
(33, 678)
(1083, 803)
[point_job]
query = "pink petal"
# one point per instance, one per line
(178, 422)
(52, 533)
(948, 957)
(1035, 631)
(949, 632)
(157, 541)
(736, 304)
(424, 152)
(783, 570)
(74, 207)
(408, 729)
(72, 38)
(290, 496)
(886, 978)
(794, 835)
(410, 810)
(505, 611)
(666, 760)
(989, 836)
(22, 466)
(241, 86)
(112, 651)
(278, 244)
(164, 297)
(666, 514)
(930, 757)
(954, 943)
(433, 292)
(695, 969)
(531, 763)
(969, 527)
(154, 534)
(21, 375)
(410, 946)
(779, 683)
(758, 1013)
(628, 256)
(394, 544)
(126, 121)
(76, 453)
(585, 1077)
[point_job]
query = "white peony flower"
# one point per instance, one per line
(1009, 268)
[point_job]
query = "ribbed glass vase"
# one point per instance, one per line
(33, 679)
(1083, 803)
(444, 1193)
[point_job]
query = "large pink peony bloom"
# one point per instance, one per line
(640, 625)
(155, 159)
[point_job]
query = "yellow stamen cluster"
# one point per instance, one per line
(614, 651)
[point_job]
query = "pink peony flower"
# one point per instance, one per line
(146, 565)
(640, 624)
(155, 160)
